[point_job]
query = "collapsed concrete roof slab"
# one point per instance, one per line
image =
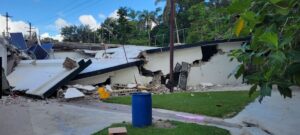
(116, 60)
(102, 67)
(42, 78)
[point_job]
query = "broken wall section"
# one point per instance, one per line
(215, 70)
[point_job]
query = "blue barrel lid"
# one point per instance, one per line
(141, 94)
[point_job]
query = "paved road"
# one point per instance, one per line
(276, 115)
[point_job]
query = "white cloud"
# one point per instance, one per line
(89, 20)
(102, 16)
(45, 35)
(60, 23)
(114, 14)
(14, 26)
(56, 37)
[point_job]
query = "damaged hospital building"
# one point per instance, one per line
(42, 69)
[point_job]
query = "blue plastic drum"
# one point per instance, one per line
(141, 109)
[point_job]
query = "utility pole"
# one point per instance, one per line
(7, 16)
(30, 30)
(172, 44)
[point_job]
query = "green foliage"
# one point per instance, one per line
(123, 27)
(82, 33)
(273, 54)
(132, 27)
(207, 23)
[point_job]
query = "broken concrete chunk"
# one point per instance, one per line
(184, 75)
(130, 86)
(69, 63)
(204, 85)
(108, 88)
(72, 93)
(85, 87)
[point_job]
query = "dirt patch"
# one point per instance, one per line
(163, 124)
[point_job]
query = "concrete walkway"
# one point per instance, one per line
(275, 115)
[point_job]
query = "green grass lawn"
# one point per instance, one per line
(179, 129)
(218, 104)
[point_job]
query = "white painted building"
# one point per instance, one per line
(215, 71)
(3, 53)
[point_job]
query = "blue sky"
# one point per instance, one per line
(46, 14)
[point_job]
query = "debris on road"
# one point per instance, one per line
(73, 93)
(86, 89)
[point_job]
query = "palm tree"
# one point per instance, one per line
(166, 13)
(146, 20)
(132, 14)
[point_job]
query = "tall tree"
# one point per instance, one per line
(147, 19)
(181, 13)
(123, 27)
(166, 14)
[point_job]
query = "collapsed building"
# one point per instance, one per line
(43, 73)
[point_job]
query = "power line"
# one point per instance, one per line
(71, 9)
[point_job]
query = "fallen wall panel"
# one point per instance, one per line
(43, 78)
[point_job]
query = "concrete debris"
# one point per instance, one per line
(144, 91)
(72, 93)
(205, 85)
(184, 72)
(108, 88)
(84, 87)
(141, 87)
(69, 63)
(60, 94)
(130, 86)
(43, 79)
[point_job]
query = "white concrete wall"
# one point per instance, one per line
(215, 71)
(161, 61)
(3, 54)
(123, 76)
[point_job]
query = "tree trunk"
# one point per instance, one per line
(148, 27)
(149, 37)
